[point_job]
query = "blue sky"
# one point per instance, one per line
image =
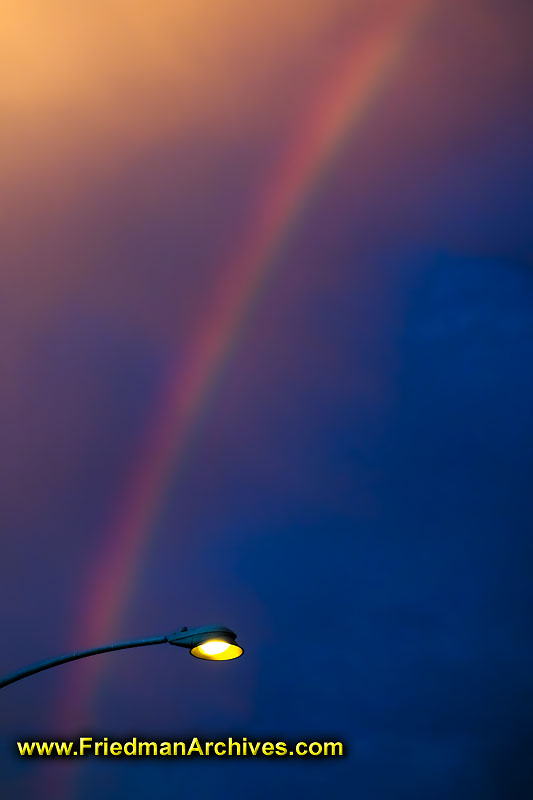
(355, 498)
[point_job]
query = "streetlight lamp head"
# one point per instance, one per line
(210, 643)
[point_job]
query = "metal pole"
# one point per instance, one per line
(54, 662)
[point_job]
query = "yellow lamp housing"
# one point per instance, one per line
(210, 643)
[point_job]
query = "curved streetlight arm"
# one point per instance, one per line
(186, 637)
(54, 662)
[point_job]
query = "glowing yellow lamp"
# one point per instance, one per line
(216, 650)
(212, 642)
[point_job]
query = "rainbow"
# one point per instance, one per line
(340, 107)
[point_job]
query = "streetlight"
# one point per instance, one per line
(210, 643)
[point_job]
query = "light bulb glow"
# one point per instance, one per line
(213, 648)
(217, 650)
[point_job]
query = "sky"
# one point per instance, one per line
(265, 344)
